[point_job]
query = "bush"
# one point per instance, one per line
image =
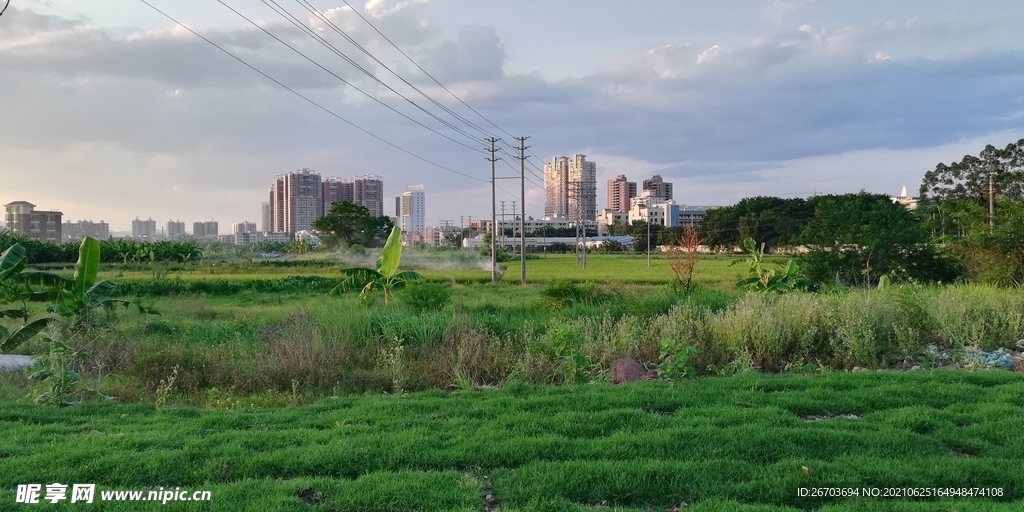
(561, 293)
(423, 296)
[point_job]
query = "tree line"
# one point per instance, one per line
(858, 238)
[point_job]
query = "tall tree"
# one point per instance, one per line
(349, 224)
(968, 179)
(772, 220)
(861, 237)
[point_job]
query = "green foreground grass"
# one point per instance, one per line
(717, 444)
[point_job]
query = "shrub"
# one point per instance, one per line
(561, 293)
(424, 296)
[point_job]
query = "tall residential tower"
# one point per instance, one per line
(412, 218)
(571, 189)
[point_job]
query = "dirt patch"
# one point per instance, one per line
(816, 417)
(489, 501)
(310, 496)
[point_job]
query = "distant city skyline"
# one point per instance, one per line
(112, 112)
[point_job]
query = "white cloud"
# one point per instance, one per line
(780, 9)
(709, 55)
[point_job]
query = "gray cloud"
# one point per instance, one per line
(476, 55)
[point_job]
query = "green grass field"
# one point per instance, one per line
(257, 349)
(715, 444)
(711, 271)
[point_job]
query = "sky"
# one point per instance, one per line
(111, 111)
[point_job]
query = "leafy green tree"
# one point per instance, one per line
(638, 230)
(386, 277)
(989, 252)
(612, 246)
(857, 238)
(969, 178)
(349, 223)
(559, 248)
(773, 220)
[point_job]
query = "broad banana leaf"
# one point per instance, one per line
(391, 256)
(12, 261)
(408, 275)
(16, 313)
(23, 334)
(101, 290)
(88, 265)
(356, 277)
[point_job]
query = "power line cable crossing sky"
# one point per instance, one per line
(754, 97)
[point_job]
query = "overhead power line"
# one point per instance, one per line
(316, 12)
(425, 72)
(308, 99)
(439, 84)
(346, 82)
(288, 16)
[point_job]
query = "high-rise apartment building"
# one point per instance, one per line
(175, 229)
(556, 188)
(583, 191)
(412, 217)
(143, 228)
(243, 227)
(22, 217)
(570, 187)
(296, 201)
(337, 190)
(620, 191)
(205, 229)
(299, 198)
(368, 191)
(76, 231)
(656, 187)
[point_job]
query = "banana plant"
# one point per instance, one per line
(16, 287)
(768, 280)
(386, 277)
(78, 297)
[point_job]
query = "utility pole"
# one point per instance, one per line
(522, 219)
(647, 206)
(494, 221)
(991, 204)
(648, 238)
(462, 228)
(576, 191)
(502, 228)
(514, 222)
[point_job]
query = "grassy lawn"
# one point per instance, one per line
(717, 444)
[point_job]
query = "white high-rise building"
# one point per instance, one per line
(556, 188)
(570, 186)
(583, 189)
(413, 217)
